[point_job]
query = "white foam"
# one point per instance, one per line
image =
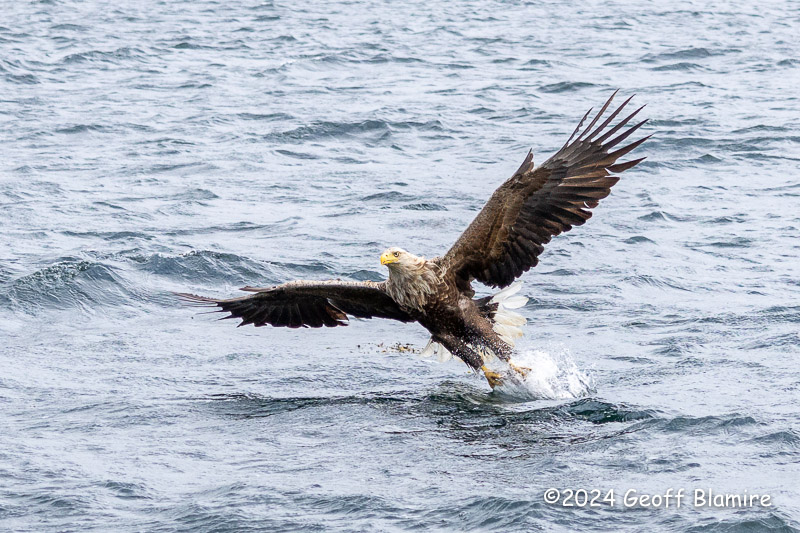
(553, 376)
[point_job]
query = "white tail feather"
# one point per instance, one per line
(507, 323)
(429, 349)
(508, 318)
(515, 302)
(432, 349)
(511, 290)
(443, 354)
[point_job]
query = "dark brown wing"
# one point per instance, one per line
(307, 304)
(507, 236)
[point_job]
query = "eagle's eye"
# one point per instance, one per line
(397, 254)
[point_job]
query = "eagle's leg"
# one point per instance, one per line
(503, 352)
(492, 341)
(464, 352)
(493, 378)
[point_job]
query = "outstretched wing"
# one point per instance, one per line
(507, 236)
(307, 304)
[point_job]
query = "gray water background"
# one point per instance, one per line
(202, 146)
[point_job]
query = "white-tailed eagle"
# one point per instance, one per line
(504, 241)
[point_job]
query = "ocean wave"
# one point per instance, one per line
(113, 56)
(681, 67)
(600, 412)
(205, 267)
(707, 425)
(389, 196)
(297, 155)
(366, 275)
(655, 216)
(127, 491)
(787, 439)
(69, 27)
(268, 117)
(748, 524)
(70, 284)
(321, 130)
(84, 284)
(688, 53)
(22, 79)
(639, 239)
(265, 230)
(80, 128)
(641, 280)
(483, 513)
(253, 405)
(565, 86)
(425, 207)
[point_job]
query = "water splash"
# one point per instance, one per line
(553, 375)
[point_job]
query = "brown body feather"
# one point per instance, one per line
(504, 241)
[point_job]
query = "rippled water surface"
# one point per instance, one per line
(201, 146)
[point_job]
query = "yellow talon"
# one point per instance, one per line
(521, 370)
(493, 378)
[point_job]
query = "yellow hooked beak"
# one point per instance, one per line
(388, 258)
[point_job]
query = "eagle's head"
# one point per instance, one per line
(412, 279)
(398, 259)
